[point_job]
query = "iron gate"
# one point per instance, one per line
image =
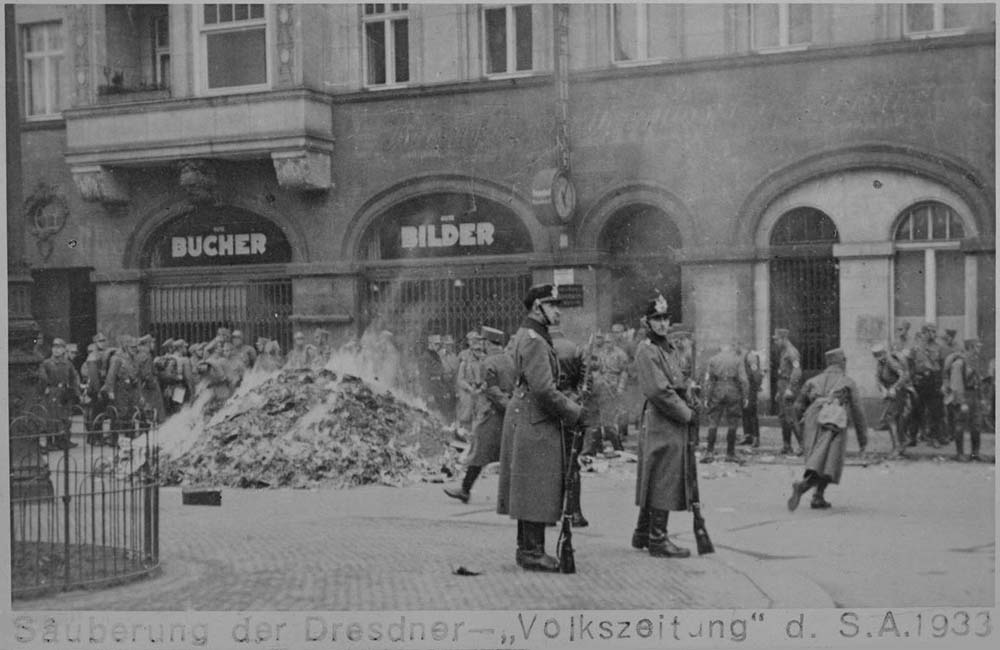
(418, 307)
(194, 311)
(805, 299)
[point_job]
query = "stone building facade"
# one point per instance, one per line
(826, 168)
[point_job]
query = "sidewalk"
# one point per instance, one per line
(381, 548)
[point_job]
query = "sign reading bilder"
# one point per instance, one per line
(217, 236)
(446, 224)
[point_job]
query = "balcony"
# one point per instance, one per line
(294, 128)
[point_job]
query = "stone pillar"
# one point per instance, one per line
(930, 285)
(866, 295)
(119, 298)
(324, 296)
(762, 323)
(971, 297)
(719, 306)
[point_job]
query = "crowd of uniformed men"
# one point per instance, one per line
(136, 383)
(538, 395)
(528, 401)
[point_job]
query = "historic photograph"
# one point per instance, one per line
(488, 307)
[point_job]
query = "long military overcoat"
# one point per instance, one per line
(61, 384)
(824, 448)
(531, 446)
(662, 460)
(499, 376)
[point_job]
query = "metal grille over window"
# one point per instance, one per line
(194, 311)
(43, 55)
(805, 284)
(387, 44)
(235, 45)
(418, 307)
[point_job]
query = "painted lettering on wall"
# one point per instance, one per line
(447, 234)
(219, 245)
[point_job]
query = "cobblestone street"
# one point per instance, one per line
(909, 533)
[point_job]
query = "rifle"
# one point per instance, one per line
(693, 399)
(564, 546)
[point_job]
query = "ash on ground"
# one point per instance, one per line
(310, 428)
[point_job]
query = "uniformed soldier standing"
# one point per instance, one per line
(498, 378)
(789, 378)
(928, 407)
(60, 385)
(122, 384)
(466, 380)
(830, 403)
(531, 447)
(892, 379)
(149, 385)
(432, 379)
(663, 437)
(754, 371)
(726, 388)
(609, 385)
(961, 397)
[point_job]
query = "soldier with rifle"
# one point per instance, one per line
(531, 448)
(666, 477)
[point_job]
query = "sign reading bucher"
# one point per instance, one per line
(447, 224)
(217, 236)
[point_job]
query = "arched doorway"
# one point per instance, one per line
(217, 266)
(805, 286)
(444, 262)
(641, 240)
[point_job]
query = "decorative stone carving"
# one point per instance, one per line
(97, 183)
(80, 24)
(285, 42)
(198, 178)
(46, 212)
(302, 170)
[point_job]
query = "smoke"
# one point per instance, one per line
(385, 360)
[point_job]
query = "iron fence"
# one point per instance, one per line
(193, 311)
(84, 502)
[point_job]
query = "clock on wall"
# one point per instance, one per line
(563, 196)
(554, 197)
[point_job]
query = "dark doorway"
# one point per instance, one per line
(805, 286)
(642, 239)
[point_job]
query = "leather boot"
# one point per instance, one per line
(974, 435)
(534, 557)
(710, 450)
(463, 493)
(786, 439)
(731, 446)
(960, 446)
(659, 544)
(640, 536)
(818, 501)
(798, 489)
